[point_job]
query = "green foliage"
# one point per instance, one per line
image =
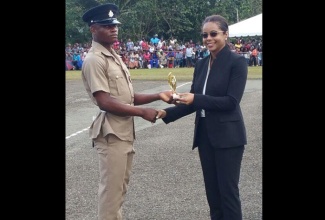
(143, 18)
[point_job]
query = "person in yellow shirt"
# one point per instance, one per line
(238, 44)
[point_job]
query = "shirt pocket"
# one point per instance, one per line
(118, 85)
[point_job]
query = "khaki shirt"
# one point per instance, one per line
(105, 71)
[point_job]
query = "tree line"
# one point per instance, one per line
(144, 18)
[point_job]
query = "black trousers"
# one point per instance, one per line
(221, 172)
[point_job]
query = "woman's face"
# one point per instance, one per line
(213, 37)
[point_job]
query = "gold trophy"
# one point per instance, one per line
(172, 84)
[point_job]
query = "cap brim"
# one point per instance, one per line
(113, 22)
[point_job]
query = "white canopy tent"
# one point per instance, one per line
(248, 27)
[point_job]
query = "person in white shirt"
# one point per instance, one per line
(188, 54)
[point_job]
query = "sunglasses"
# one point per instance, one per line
(212, 34)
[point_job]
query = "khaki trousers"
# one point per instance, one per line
(115, 162)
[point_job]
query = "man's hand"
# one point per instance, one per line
(166, 96)
(150, 114)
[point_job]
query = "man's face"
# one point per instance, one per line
(104, 34)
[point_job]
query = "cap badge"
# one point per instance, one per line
(110, 13)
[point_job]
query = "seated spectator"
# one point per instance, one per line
(125, 59)
(162, 58)
(152, 48)
(133, 62)
(76, 61)
(140, 59)
(68, 61)
(154, 62)
(146, 59)
(116, 45)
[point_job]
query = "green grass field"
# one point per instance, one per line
(182, 74)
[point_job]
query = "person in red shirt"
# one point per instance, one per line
(146, 57)
(144, 44)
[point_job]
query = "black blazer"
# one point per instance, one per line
(224, 90)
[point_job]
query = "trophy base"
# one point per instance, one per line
(175, 96)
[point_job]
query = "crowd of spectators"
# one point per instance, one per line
(160, 53)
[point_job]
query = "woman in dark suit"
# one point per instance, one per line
(217, 88)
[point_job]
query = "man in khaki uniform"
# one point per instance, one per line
(109, 86)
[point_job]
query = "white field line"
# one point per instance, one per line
(78, 132)
(85, 129)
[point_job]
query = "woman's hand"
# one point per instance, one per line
(185, 98)
(161, 114)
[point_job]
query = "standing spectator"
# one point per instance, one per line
(248, 45)
(144, 45)
(253, 57)
(192, 44)
(205, 52)
(161, 43)
(172, 42)
(246, 54)
(184, 60)
(68, 48)
(188, 54)
(178, 58)
(129, 45)
(154, 40)
(194, 56)
(260, 58)
(260, 53)
(170, 58)
(238, 44)
(83, 55)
